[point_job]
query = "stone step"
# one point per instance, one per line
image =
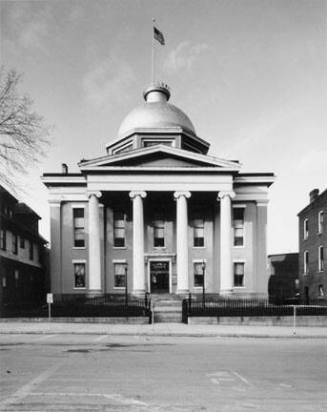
(176, 309)
(166, 304)
(167, 317)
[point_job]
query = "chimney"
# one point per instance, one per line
(64, 169)
(313, 195)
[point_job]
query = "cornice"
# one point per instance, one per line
(211, 161)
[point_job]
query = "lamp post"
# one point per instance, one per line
(203, 282)
(126, 284)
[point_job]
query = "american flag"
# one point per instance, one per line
(158, 36)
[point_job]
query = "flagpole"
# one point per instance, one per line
(153, 54)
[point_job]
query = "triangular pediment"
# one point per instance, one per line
(159, 157)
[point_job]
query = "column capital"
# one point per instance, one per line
(134, 194)
(178, 194)
(95, 193)
(263, 202)
(225, 193)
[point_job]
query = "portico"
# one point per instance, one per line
(181, 253)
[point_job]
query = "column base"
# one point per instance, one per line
(226, 292)
(94, 293)
(182, 292)
(138, 293)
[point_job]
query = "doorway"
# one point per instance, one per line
(159, 276)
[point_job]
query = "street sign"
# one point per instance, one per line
(49, 297)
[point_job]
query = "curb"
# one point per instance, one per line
(169, 334)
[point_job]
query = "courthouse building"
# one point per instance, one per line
(161, 211)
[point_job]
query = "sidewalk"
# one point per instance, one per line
(160, 329)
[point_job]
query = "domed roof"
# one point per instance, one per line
(156, 113)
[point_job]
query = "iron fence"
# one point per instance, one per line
(219, 306)
(73, 305)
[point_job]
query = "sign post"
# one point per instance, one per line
(49, 302)
(294, 320)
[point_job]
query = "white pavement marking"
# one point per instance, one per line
(99, 338)
(27, 389)
(242, 378)
(285, 385)
(221, 377)
(45, 338)
(114, 396)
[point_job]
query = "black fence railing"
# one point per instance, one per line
(73, 305)
(219, 306)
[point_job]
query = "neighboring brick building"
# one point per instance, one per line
(312, 249)
(283, 286)
(22, 273)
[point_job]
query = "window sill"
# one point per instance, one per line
(76, 288)
(159, 247)
(239, 247)
(119, 247)
(238, 287)
(79, 247)
(119, 288)
(198, 247)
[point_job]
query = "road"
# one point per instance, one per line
(112, 373)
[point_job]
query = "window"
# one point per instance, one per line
(120, 270)
(14, 244)
(16, 276)
(321, 290)
(119, 229)
(238, 274)
(123, 149)
(22, 243)
(198, 232)
(320, 258)
(238, 226)
(79, 226)
(79, 274)
(198, 269)
(155, 142)
(320, 221)
(306, 262)
(4, 282)
(31, 250)
(159, 233)
(3, 239)
(305, 229)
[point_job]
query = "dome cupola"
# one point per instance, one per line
(156, 113)
(156, 122)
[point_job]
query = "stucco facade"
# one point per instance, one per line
(158, 208)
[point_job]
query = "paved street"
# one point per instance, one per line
(107, 373)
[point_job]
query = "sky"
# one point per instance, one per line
(250, 74)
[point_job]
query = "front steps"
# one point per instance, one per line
(166, 308)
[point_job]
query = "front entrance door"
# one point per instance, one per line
(159, 277)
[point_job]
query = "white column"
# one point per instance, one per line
(182, 241)
(138, 242)
(226, 264)
(94, 243)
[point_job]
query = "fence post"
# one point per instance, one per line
(294, 320)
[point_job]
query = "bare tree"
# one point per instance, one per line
(23, 133)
